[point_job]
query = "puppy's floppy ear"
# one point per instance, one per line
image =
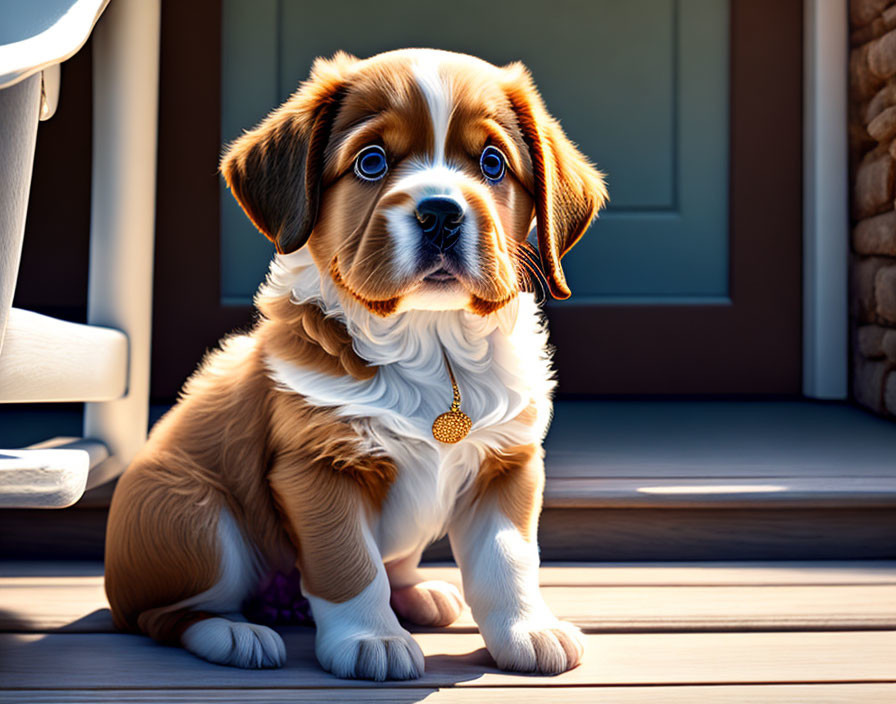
(274, 171)
(569, 191)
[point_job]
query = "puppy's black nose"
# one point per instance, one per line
(440, 219)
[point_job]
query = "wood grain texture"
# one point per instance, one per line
(829, 465)
(706, 694)
(558, 574)
(105, 661)
(724, 440)
(718, 533)
(605, 535)
(729, 492)
(686, 599)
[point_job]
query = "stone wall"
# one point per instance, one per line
(872, 142)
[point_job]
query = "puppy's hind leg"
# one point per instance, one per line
(212, 626)
(178, 569)
(423, 602)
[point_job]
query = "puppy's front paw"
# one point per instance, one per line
(547, 649)
(373, 657)
(431, 603)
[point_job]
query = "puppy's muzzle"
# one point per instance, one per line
(440, 219)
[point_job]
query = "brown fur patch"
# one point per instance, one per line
(381, 308)
(274, 171)
(303, 335)
(514, 479)
(160, 548)
(481, 306)
(323, 486)
(568, 190)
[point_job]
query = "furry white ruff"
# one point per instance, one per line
(501, 365)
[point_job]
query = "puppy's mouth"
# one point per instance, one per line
(440, 276)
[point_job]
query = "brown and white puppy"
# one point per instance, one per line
(399, 192)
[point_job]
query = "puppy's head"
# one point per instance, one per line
(414, 177)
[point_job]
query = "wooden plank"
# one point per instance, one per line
(104, 661)
(724, 439)
(719, 533)
(707, 694)
(842, 596)
(78, 605)
(605, 535)
(733, 492)
(82, 608)
(564, 574)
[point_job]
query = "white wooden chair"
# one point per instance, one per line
(104, 363)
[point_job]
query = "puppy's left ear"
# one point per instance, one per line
(274, 171)
(568, 190)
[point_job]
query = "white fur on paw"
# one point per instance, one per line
(547, 648)
(225, 642)
(372, 657)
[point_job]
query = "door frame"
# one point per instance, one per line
(189, 317)
(825, 200)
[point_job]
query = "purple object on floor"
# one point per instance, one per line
(280, 603)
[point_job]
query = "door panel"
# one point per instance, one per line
(689, 283)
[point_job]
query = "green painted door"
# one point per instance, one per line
(640, 85)
(643, 86)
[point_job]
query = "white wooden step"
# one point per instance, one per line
(53, 474)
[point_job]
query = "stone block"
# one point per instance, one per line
(863, 82)
(860, 143)
(874, 29)
(874, 185)
(882, 55)
(870, 341)
(861, 12)
(885, 293)
(876, 235)
(888, 344)
(890, 393)
(884, 98)
(868, 383)
(883, 126)
(861, 282)
(889, 17)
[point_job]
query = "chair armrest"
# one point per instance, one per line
(48, 360)
(36, 35)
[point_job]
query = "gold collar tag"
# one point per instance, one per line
(453, 425)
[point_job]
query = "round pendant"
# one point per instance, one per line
(451, 426)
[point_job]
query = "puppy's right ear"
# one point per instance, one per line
(274, 171)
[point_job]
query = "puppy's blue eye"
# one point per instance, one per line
(371, 164)
(492, 163)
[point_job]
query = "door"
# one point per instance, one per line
(690, 281)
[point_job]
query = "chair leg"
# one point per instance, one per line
(19, 110)
(125, 118)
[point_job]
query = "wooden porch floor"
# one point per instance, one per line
(675, 632)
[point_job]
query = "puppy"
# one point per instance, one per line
(399, 192)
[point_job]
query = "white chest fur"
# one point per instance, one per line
(501, 366)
